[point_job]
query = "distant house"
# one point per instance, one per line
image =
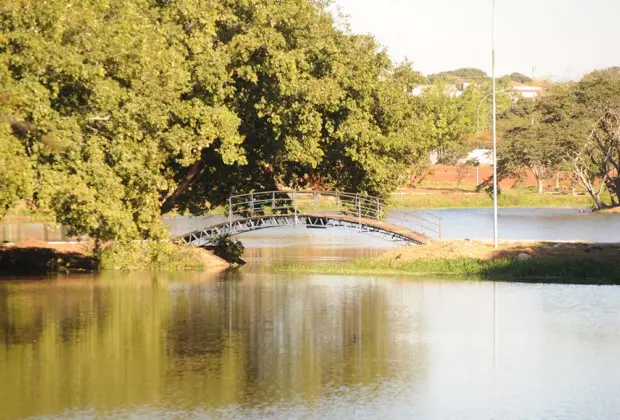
(419, 90)
(448, 90)
(454, 91)
(526, 91)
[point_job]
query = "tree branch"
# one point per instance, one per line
(105, 118)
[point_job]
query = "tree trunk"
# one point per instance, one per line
(539, 183)
(539, 174)
(597, 200)
(557, 181)
(194, 173)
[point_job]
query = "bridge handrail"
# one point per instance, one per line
(308, 201)
(326, 192)
(252, 202)
(423, 225)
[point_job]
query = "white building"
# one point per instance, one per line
(528, 92)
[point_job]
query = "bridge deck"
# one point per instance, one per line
(407, 233)
(240, 225)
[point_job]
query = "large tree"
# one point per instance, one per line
(114, 112)
(576, 125)
(528, 148)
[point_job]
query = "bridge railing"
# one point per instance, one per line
(258, 204)
(421, 221)
(290, 202)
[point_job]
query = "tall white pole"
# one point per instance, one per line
(495, 235)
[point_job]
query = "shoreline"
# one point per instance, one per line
(33, 257)
(532, 262)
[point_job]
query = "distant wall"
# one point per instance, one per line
(443, 174)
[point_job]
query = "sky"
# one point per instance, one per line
(561, 39)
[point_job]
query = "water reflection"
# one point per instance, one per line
(200, 343)
(254, 344)
(266, 254)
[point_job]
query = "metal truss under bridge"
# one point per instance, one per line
(320, 209)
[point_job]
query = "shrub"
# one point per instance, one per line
(228, 249)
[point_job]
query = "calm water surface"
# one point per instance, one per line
(514, 223)
(257, 344)
(254, 343)
(566, 224)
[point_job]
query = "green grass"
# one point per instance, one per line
(564, 271)
(519, 197)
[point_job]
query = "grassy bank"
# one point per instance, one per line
(526, 262)
(452, 198)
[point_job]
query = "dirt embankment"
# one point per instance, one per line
(441, 174)
(33, 256)
(513, 250)
(613, 210)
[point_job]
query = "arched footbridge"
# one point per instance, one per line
(319, 209)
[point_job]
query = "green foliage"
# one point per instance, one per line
(575, 126)
(455, 154)
(16, 175)
(115, 112)
(528, 148)
(520, 78)
(228, 248)
(152, 255)
(446, 114)
(463, 74)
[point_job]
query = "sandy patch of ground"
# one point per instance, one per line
(613, 210)
(85, 248)
(485, 251)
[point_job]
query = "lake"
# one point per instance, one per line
(561, 224)
(255, 343)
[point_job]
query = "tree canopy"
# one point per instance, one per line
(114, 112)
(460, 75)
(575, 126)
(520, 78)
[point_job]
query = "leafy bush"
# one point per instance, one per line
(228, 249)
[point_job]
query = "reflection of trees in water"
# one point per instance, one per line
(311, 253)
(192, 344)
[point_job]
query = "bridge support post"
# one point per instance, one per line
(316, 200)
(252, 205)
